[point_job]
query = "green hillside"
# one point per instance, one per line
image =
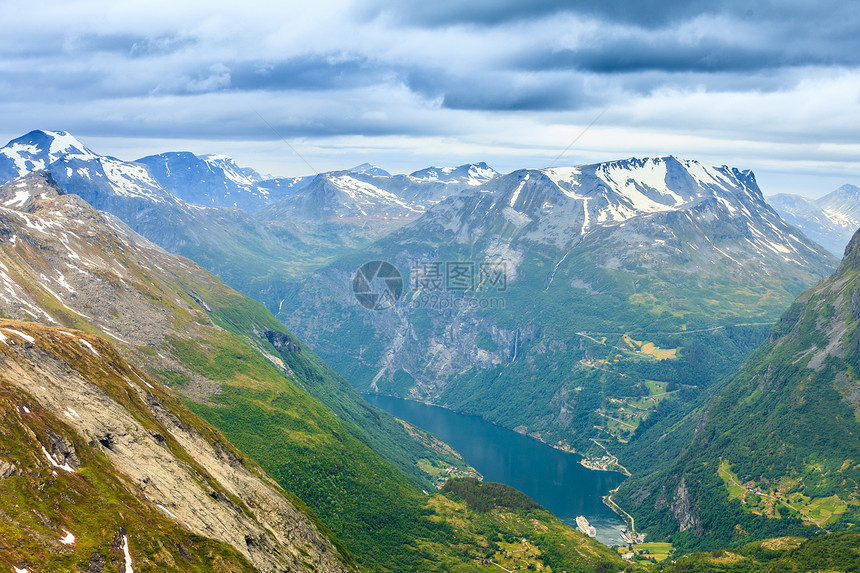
(776, 448)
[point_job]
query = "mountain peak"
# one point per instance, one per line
(370, 169)
(232, 169)
(846, 190)
(615, 191)
(36, 150)
(472, 174)
(62, 142)
(55, 144)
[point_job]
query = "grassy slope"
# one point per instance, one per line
(66, 501)
(834, 553)
(376, 510)
(325, 459)
(373, 507)
(494, 523)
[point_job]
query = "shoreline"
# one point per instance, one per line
(608, 463)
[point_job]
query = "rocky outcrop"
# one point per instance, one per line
(683, 510)
(62, 450)
(8, 469)
(282, 342)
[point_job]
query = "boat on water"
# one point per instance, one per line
(585, 527)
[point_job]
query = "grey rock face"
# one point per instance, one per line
(683, 510)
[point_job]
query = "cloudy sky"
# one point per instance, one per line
(771, 86)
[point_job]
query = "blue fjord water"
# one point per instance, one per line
(553, 478)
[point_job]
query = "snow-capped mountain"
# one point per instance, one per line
(831, 220)
(340, 209)
(370, 169)
(36, 150)
(232, 171)
(559, 206)
(354, 206)
(471, 174)
(169, 199)
(214, 180)
(667, 251)
(340, 195)
(95, 177)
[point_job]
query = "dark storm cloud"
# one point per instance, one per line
(308, 72)
(495, 12)
(626, 53)
(636, 36)
(498, 91)
(712, 56)
(483, 13)
(533, 99)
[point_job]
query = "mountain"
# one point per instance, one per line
(197, 346)
(830, 220)
(114, 471)
(65, 263)
(215, 181)
(349, 209)
(570, 304)
(473, 174)
(36, 150)
(774, 449)
(188, 205)
(227, 241)
(370, 169)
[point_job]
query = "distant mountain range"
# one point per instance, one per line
(201, 207)
(215, 181)
(831, 220)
